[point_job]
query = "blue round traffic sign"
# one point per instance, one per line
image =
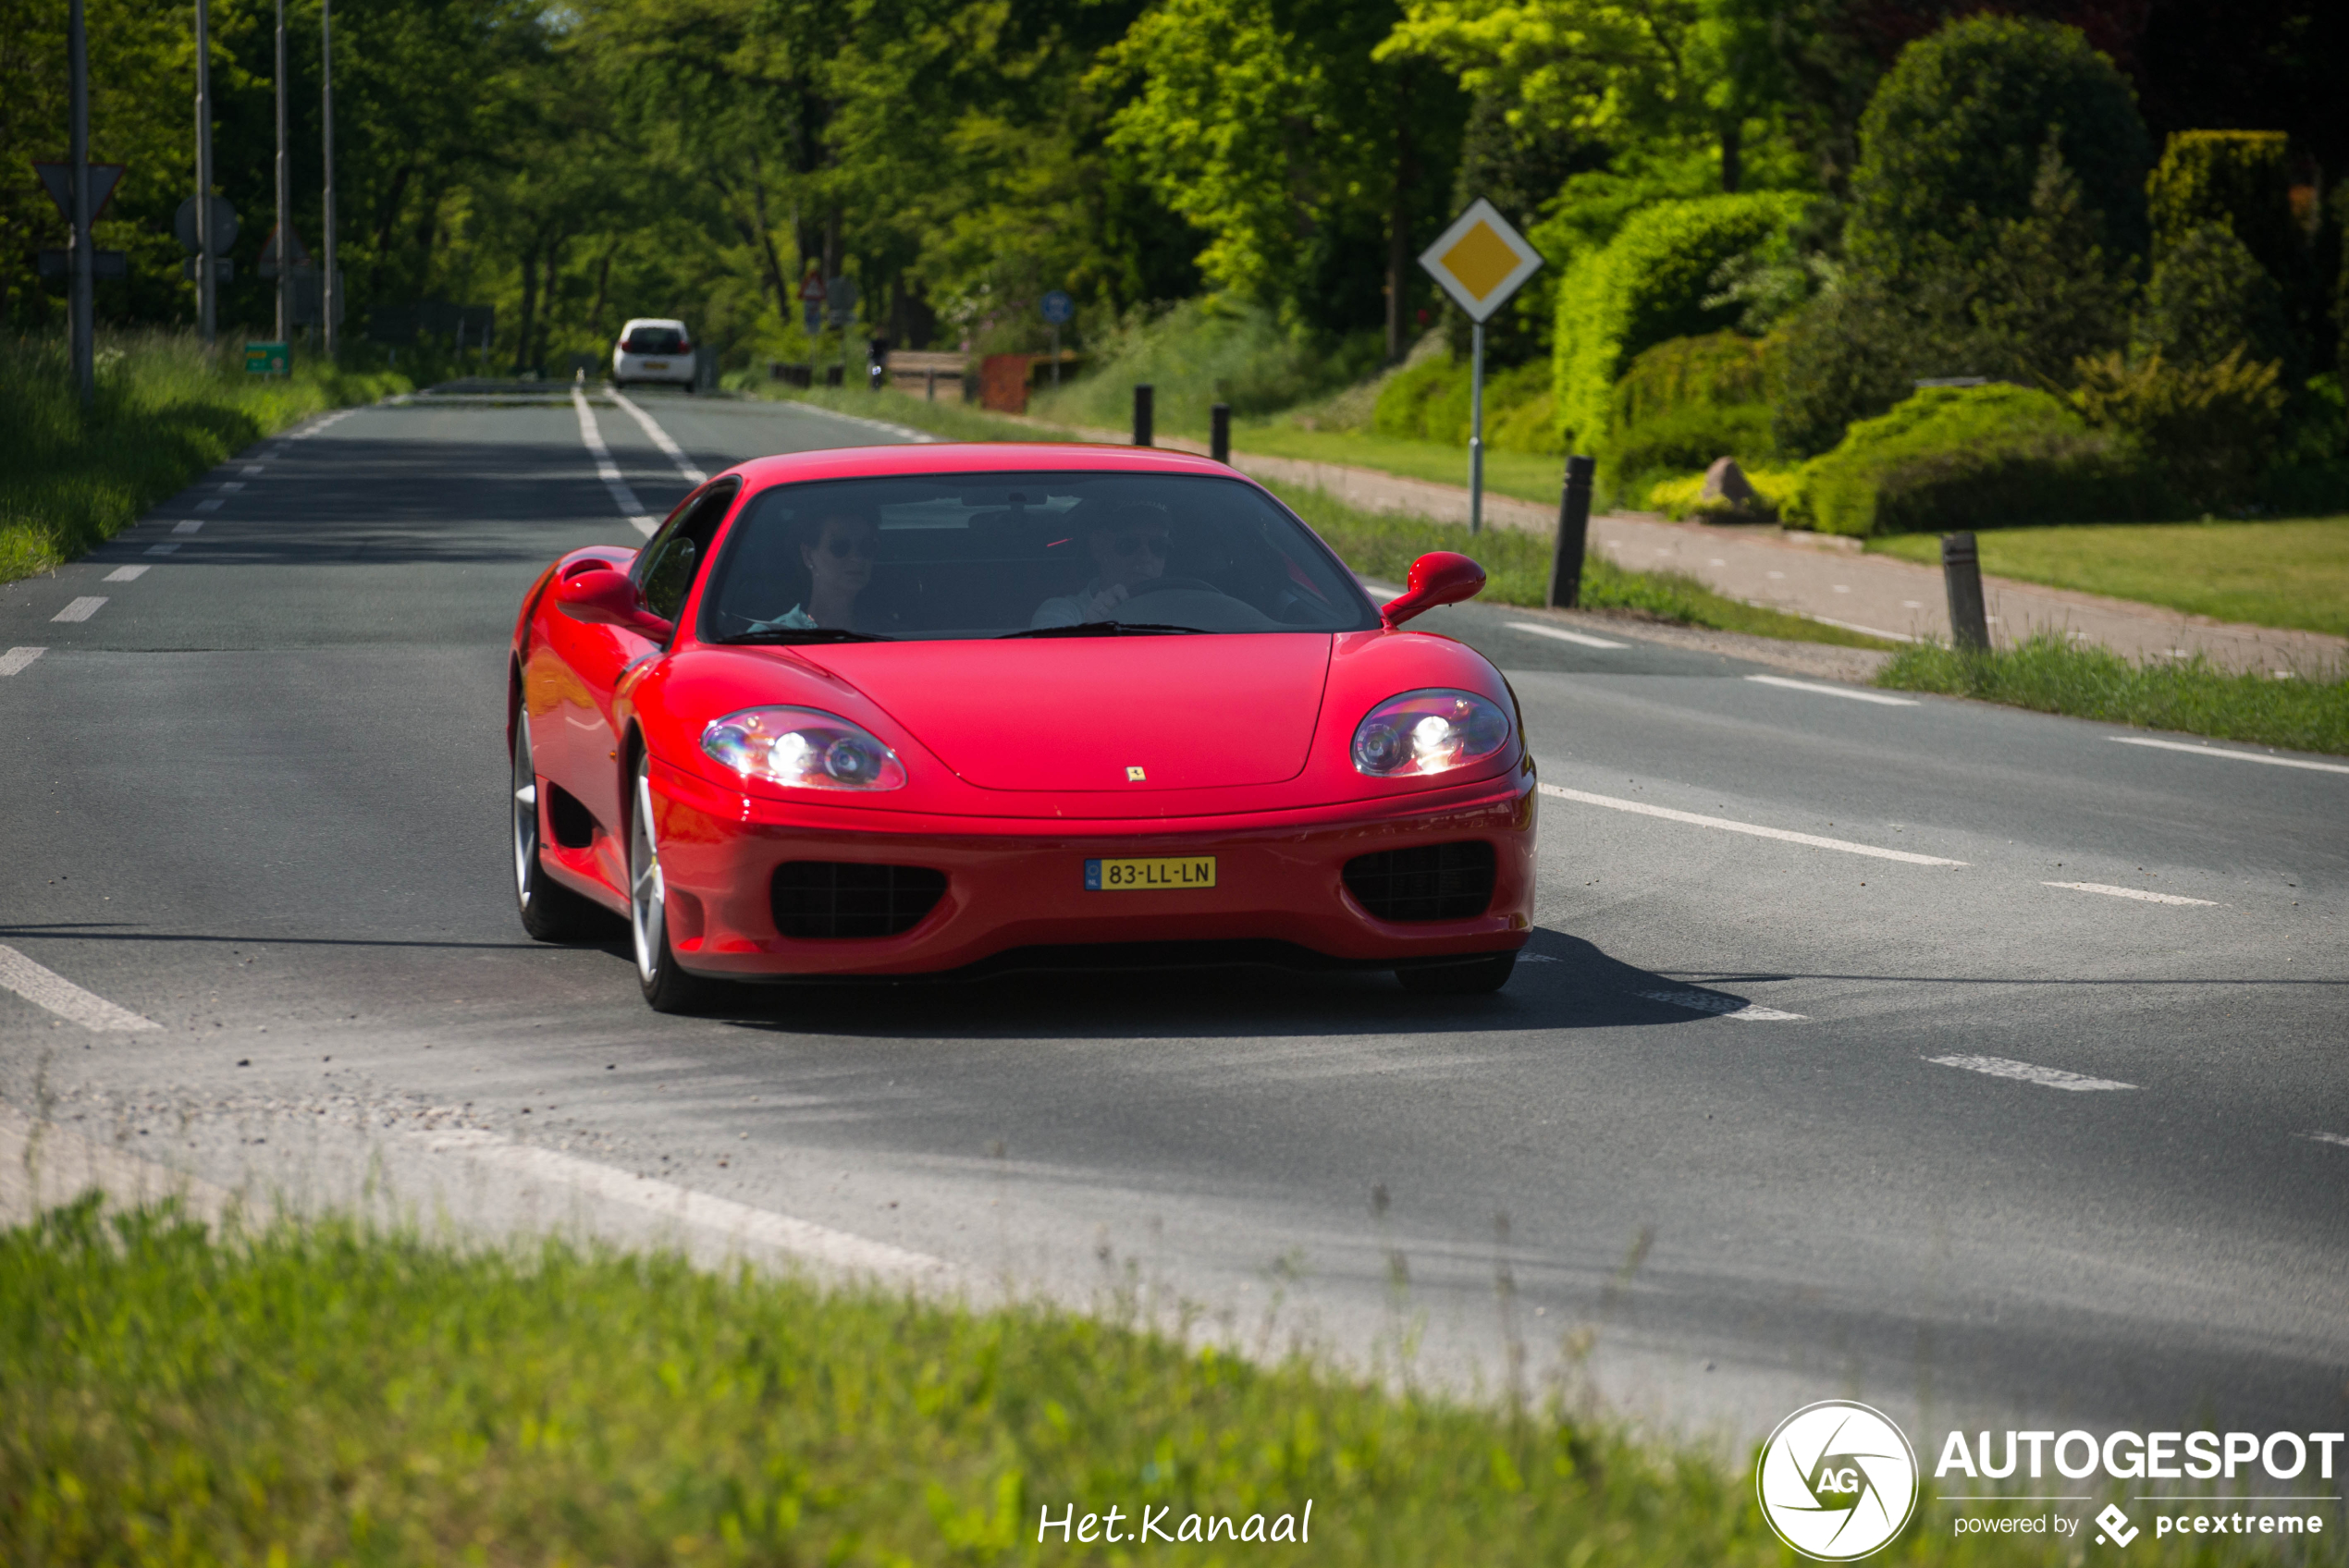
(1059, 309)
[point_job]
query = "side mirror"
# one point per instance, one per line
(1440, 577)
(602, 598)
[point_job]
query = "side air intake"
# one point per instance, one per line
(1430, 882)
(836, 899)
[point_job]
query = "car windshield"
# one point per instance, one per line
(1023, 554)
(652, 340)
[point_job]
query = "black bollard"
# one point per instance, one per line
(1962, 574)
(1142, 417)
(1219, 427)
(1574, 533)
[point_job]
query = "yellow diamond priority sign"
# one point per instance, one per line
(1480, 261)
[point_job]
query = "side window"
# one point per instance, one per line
(665, 572)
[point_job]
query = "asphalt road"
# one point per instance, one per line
(1700, 1157)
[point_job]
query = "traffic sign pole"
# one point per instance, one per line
(83, 293)
(327, 302)
(207, 243)
(1480, 260)
(1476, 429)
(285, 192)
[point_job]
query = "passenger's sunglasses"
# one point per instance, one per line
(844, 545)
(1130, 544)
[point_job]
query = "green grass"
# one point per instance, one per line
(1524, 475)
(1384, 546)
(2291, 574)
(166, 412)
(326, 1395)
(2190, 696)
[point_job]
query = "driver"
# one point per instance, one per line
(1128, 547)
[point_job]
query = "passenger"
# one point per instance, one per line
(836, 549)
(1128, 547)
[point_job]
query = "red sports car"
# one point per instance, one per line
(910, 710)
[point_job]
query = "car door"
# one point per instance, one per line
(576, 671)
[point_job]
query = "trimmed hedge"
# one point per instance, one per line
(1951, 140)
(1975, 457)
(1689, 401)
(1429, 401)
(1648, 285)
(2209, 297)
(2235, 178)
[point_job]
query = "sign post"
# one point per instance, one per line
(285, 187)
(839, 297)
(1059, 310)
(80, 291)
(209, 241)
(331, 309)
(1480, 261)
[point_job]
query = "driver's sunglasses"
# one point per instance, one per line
(1135, 543)
(842, 546)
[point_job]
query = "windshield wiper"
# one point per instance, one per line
(1107, 629)
(786, 635)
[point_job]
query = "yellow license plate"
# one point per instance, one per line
(656, 365)
(1160, 875)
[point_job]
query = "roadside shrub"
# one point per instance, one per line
(1973, 457)
(1650, 284)
(2237, 179)
(2207, 429)
(2209, 297)
(1779, 493)
(1689, 401)
(1402, 400)
(1430, 401)
(1201, 352)
(1951, 140)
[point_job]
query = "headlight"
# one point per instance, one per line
(803, 748)
(1423, 732)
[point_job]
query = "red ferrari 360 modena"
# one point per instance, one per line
(913, 710)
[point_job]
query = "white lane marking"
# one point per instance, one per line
(162, 549)
(2025, 1072)
(1855, 626)
(188, 525)
(16, 659)
(45, 987)
(327, 424)
(1564, 636)
(1725, 1007)
(2327, 1138)
(81, 608)
(803, 1238)
(2108, 890)
(126, 574)
(230, 486)
(676, 454)
(1840, 588)
(2223, 751)
(608, 470)
(919, 436)
(1643, 809)
(252, 468)
(211, 506)
(1778, 574)
(1853, 692)
(1536, 958)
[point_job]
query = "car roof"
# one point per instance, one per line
(973, 457)
(652, 321)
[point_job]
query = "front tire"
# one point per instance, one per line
(1475, 977)
(667, 987)
(551, 911)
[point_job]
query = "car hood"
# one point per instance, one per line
(1081, 713)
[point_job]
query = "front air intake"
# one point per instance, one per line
(835, 898)
(1434, 882)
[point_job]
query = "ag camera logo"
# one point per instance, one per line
(1837, 1480)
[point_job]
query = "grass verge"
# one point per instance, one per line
(323, 1394)
(166, 412)
(1383, 544)
(2190, 695)
(2291, 574)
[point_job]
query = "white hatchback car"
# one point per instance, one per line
(652, 349)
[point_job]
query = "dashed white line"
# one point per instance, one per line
(802, 1238)
(125, 574)
(1824, 690)
(2027, 1073)
(327, 424)
(45, 987)
(2223, 751)
(2343, 1139)
(162, 549)
(188, 525)
(1578, 638)
(1723, 1007)
(252, 468)
(81, 608)
(230, 486)
(2108, 890)
(211, 506)
(608, 470)
(660, 438)
(16, 659)
(1756, 829)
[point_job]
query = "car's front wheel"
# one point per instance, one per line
(551, 911)
(667, 987)
(1473, 978)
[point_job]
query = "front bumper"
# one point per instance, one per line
(1016, 884)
